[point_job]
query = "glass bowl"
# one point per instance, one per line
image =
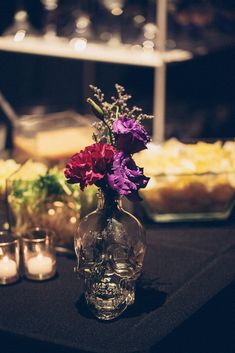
(39, 196)
(51, 138)
(189, 181)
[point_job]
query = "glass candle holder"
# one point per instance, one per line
(39, 254)
(9, 258)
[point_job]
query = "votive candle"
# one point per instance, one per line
(8, 267)
(40, 265)
(39, 254)
(9, 258)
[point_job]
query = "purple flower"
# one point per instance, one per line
(131, 137)
(126, 177)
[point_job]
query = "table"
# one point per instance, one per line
(185, 301)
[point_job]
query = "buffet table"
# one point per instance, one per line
(185, 301)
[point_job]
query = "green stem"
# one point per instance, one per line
(110, 132)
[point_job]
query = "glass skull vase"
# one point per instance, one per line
(110, 248)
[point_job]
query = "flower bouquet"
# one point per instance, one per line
(108, 162)
(110, 242)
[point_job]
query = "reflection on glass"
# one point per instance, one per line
(50, 29)
(21, 27)
(148, 37)
(81, 29)
(114, 6)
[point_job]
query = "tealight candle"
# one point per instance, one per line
(40, 265)
(39, 254)
(9, 258)
(8, 267)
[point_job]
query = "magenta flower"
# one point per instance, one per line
(130, 136)
(90, 166)
(126, 178)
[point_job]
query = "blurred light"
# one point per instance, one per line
(150, 27)
(82, 23)
(50, 5)
(149, 35)
(6, 226)
(150, 31)
(148, 44)
(73, 220)
(21, 16)
(139, 19)
(117, 11)
(79, 44)
(112, 4)
(58, 204)
(51, 212)
(20, 35)
(71, 204)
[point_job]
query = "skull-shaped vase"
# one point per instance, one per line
(110, 247)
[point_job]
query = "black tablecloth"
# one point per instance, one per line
(185, 301)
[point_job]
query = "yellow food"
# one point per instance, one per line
(30, 170)
(7, 168)
(189, 178)
(53, 145)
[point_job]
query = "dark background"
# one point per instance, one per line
(200, 92)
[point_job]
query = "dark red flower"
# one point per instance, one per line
(90, 165)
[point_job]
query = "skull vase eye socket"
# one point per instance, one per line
(110, 248)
